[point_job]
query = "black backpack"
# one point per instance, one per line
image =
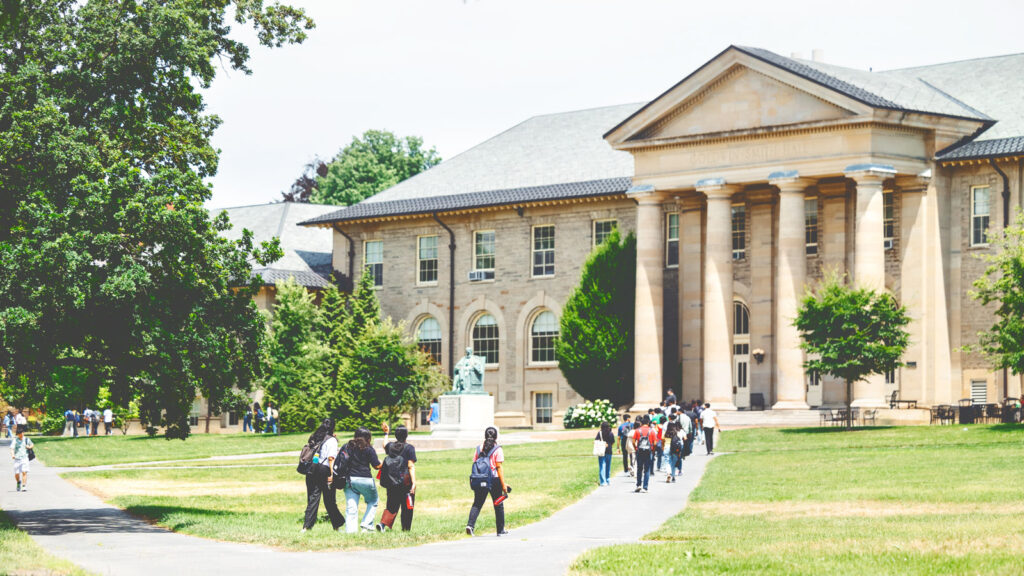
(394, 467)
(306, 457)
(676, 447)
(481, 475)
(342, 463)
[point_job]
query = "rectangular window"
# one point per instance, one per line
(888, 217)
(811, 225)
(980, 207)
(483, 250)
(603, 229)
(193, 415)
(543, 250)
(544, 406)
(232, 418)
(373, 253)
(739, 232)
(672, 239)
(979, 391)
(890, 377)
(426, 259)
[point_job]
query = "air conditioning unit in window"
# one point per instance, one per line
(479, 275)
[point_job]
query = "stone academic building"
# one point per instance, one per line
(745, 182)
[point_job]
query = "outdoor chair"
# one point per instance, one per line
(993, 413)
(869, 416)
(828, 417)
(934, 415)
(947, 413)
(895, 402)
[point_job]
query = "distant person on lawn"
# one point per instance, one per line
(710, 420)
(247, 420)
(8, 422)
(19, 453)
(320, 478)
(362, 457)
(108, 421)
(258, 418)
(400, 466)
(271, 418)
(498, 489)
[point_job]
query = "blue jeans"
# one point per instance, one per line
(659, 453)
(675, 465)
(604, 468)
(644, 462)
(366, 488)
(272, 424)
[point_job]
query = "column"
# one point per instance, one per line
(691, 295)
(915, 270)
(647, 333)
(869, 257)
(718, 294)
(790, 276)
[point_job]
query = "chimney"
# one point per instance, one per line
(818, 55)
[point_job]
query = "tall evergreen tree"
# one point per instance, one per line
(595, 344)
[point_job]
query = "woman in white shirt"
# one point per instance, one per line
(320, 478)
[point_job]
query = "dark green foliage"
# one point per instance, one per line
(376, 161)
(595, 345)
(1003, 284)
(851, 333)
(109, 261)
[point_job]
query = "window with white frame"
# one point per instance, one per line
(485, 338)
(740, 319)
(544, 250)
(672, 239)
(739, 231)
(603, 229)
(980, 209)
(428, 337)
(888, 217)
(811, 225)
(426, 259)
(373, 254)
(544, 405)
(483, 250)
(543, 335)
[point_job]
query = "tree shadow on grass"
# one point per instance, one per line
(831, 429)
(162, 515)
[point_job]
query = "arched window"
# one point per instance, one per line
(428, 336)
(543, 335)
(485, 338)
(740, 319)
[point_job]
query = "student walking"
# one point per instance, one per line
(108, 421)
(19, 453)
(320, 478)
(710, 419)
(362, 457)
(271, 418)
(644, 440)
(604, 462)
(674, 443)
(69, 423)
(398, 477)
(8, 423)
(258, 418)
(486, 478)
(625, 431)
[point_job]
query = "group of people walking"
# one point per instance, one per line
(258, 421)
(90, 419)
(12, 419)
(664, 436)
(351, 467)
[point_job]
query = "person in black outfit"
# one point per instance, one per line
(404, 496)
(320, 478)
(498, 489)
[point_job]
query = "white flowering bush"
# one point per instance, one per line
(590, 414)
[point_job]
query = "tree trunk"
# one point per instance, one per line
(208, 416)
(849, 406)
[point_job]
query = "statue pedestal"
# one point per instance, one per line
(464, 416)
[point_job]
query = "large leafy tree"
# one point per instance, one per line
(851, 332)
(1003, 284)
(595, 345)
(108, 260)
(369, 164)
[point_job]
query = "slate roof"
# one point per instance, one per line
(981, 149)
(431, 204)
(307, 251)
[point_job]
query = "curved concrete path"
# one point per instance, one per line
(70, 522)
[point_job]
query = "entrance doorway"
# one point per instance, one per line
(741, 356)
(814, 395)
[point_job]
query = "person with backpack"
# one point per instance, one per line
(320, 476)
(625, 431)
(398, 477)
(20, 453)
(361, 457)
(644, 440)
(674, 441)
(271, 418)
(257, 414)
(487, 477)
(604, 462)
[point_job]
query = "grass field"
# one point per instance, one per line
(265, 504)
(97, 450)
(20, 556)
(922, 500)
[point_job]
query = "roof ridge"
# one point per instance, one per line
(954, 99)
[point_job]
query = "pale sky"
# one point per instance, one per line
(458, 72)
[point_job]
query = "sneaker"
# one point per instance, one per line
(469, 531)
(504, 533)
(19, 487)
(637, 489)
(643, 491)
(711, 453)
(669, 480)
(366, 529)
(24, 487)
(302, 531)
(381, 528)
(673, 479)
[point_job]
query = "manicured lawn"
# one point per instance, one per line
(19, 555)
(265, 504)
(922, 500)
(97, 450)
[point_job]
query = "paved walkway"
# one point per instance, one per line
(72, 523)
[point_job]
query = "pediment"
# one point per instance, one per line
(741, 99)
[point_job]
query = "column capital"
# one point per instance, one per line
(643, 194)
(717, 188)
(869, 173)
(789, 181)
(918, 183)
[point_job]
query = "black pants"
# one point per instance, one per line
(316, 486)
(479, 497)
(709, 439)
(625, 457)
(106, 428)
(395, 502)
